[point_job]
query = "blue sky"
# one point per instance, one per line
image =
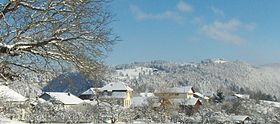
(187, 31)
(193, 30)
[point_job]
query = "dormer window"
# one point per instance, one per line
(110, 93)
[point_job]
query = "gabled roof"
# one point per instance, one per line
(65, 98)
(10, 95)
(238, 118)
(90, 91)
(242, 96)
(184, 89)
(116, 86)
(201, 95)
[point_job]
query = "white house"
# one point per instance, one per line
(66, 99)
(117, 91)
(10, 98)
(9, 95)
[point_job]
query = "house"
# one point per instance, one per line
(175, 92)
(188, 106)
(65, 99)
(181, 99)
(11, 99)
(9, 95)
(240, 119)
(117, 92)
(89, 94)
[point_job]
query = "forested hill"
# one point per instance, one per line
(206, 76)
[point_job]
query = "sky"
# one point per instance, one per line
(193, 30)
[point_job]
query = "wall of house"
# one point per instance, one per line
(127, 100)
(190, 94)
(82, 106)
(68, 106)
(196, 107)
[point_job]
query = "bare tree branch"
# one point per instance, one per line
(54, 34)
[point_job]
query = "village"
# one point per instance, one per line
(139, 62)
(117, 103)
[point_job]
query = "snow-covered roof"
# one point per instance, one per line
(184, 89)
(272, 103)
(238, 118)
(90, 91)
(201, 95)
(242, 96)
(93, 103)
(189, 101)
(36, 101)
(116, 86)
(65, 98)
(10, 95)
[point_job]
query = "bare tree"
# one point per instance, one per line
(49, 35)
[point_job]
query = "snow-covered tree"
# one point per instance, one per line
(50, 35)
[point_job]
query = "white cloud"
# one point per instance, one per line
(174, 15)
(217, 11)
(226, 31)
(166, 15)
(184, 7)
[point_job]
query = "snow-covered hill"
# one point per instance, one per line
(133, 73)
(207, 75)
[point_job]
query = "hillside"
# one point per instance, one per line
(206, 76)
